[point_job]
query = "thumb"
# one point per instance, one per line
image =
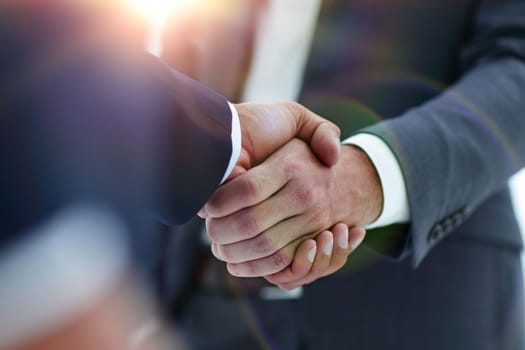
(267, 127)
(325, 143)
(321, 134)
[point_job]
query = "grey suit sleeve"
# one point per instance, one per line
(462, 146)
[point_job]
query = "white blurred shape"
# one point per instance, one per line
(157, 13)
(61, 268)
(517, 184)
(159, 10)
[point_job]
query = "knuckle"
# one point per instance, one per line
(305, 195)
(250, 268)
(293, 107)
(263, 245)
(280, 260)
(247, 225)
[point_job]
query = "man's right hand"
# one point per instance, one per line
(258, 219)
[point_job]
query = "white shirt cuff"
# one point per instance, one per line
(236, 142)
(395, 200)
(61, 268)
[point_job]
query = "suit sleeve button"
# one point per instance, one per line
(436, 233)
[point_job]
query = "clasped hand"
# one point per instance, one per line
(286, 210)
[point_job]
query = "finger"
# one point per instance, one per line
(325, 243)
(301, 265)
(265, 266)
(356, 236)
(284, 257)
(342, 249)
(325, 240)
(326, 143)
(215, 251)
(267, 127)
(250, 222)
(246, 190)
(236, 172)
(322, 135)
(266, 243)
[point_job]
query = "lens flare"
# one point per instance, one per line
(157, 13)
(159, 10)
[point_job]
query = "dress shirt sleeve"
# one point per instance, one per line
(395, 202)
(236, 142)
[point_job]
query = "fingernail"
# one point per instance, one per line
(328, 247)
(231, 269)
(217, 251)
(214, 250)
(202, 213)
(357, 241)
(311, 254)
(342, 240)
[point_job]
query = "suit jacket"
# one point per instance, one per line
(442, 83)
(445, 80)
(87, 115)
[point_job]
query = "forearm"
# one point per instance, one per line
(461, 147)
(103, 115)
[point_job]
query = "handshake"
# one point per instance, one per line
(294, 207)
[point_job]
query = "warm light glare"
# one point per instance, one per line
(157, 13)
(159, 10)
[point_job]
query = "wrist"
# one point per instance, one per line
(365, 202)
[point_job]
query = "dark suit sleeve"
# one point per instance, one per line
(461, 147)
(86, 115)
